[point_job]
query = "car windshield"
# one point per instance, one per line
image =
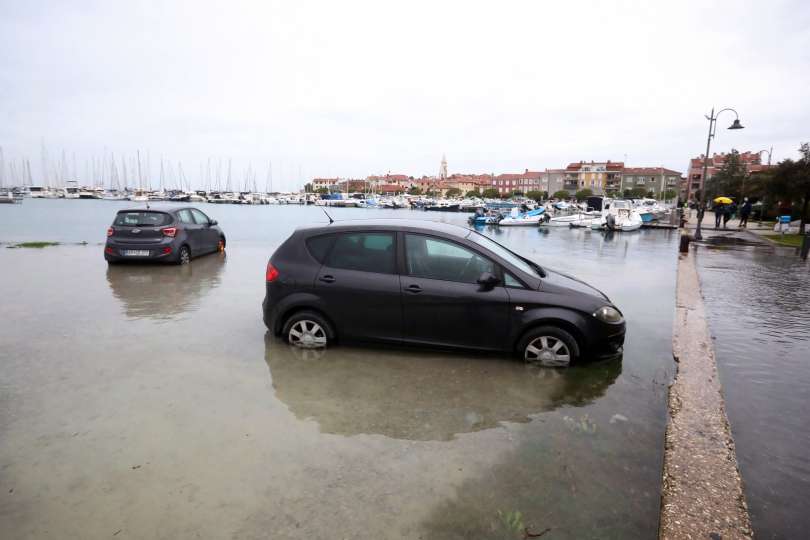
(510, 257)
(142, 219)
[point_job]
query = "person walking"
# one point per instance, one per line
(745, 211)
(718, 214)
(727, 212)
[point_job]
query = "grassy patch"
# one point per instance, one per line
(792, 240)
(36, 245)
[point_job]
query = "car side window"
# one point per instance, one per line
(510, 281)
(318, 246)
(199, 217)
(185, 216)
(367, 252)
(432, 258)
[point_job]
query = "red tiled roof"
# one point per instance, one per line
(650, 171)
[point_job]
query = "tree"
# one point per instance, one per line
(791, 182)
(517, 193)
(728, 181)
(491, 193)
(322, 191)
(670, 194)
(453, 192)
(537, 195)
(473, 193)
(628, 193)
(414, 191)
(561, 195)
(583, 194)
(650, 194)
(638, 192)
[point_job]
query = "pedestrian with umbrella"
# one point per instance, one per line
(722, 211)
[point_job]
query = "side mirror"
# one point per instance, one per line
(488, 280)
(212, 222)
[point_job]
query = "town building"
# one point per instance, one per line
(657, 180)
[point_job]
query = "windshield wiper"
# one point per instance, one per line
(537, 267)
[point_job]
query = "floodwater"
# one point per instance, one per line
(758, 305)
(149, 402)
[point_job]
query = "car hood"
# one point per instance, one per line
(558, 282)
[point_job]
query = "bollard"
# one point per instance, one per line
(684, 247)
(805, 246)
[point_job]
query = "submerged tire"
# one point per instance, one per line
(308, 330)
(548, 346)
(184, 256)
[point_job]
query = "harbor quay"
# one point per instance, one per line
(157, 404)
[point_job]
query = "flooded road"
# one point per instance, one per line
(758, 305)
(149, 401)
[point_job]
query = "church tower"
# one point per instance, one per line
(443, 169)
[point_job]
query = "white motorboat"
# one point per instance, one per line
(620, 216)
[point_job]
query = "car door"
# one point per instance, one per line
(208, 236)
(442, 302)
(359, 286)
(192, 229)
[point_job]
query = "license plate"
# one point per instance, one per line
(135, 252)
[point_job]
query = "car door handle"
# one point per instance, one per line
(413, 289)
(327, 279)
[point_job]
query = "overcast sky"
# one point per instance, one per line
(356, 88)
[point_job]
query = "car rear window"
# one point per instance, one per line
(318, 246)
(142, 219)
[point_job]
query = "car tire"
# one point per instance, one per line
(308, 330)
(548, 346)
(184, 255)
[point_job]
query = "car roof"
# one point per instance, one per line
(394, 224)
(164, 209)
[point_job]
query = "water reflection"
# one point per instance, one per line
(163, 292)
(422, 395)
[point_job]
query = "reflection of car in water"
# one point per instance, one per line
(422, 396)
(162, 291)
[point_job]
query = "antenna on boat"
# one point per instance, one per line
(327, 215)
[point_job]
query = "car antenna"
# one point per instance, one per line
(330, 217)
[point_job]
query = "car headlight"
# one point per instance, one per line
(608, 314)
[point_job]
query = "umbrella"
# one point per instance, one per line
(723, 200)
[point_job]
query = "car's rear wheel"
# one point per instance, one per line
(184, 256)
(308, 330)
(549, 346)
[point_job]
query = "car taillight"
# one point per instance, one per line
(272, 273)
(170, 231)
(110, 231)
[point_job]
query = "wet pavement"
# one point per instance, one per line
(758, 305)
(143, 401)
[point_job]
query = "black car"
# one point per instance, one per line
(427, 283)
(162, 234)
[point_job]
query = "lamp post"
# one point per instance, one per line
(712, 118)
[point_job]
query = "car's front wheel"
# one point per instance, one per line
(308, 330)
(549, 346)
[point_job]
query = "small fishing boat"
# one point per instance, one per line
(517, 218)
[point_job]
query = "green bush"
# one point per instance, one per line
(583, 194)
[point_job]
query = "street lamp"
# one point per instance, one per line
(712, 118)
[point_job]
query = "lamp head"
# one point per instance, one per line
(736, 124)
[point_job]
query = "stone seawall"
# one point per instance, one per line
(702, 489)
